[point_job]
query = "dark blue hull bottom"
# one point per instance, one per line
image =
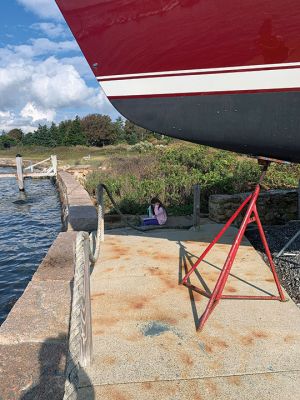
(259, 124)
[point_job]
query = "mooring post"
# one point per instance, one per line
(86, 334)
(54, 164)
(20, 178)
(299, 200)
(196, 212)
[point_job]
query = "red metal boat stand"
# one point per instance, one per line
(250, 216)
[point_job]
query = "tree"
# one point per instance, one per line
(75, 135)
(99, 129)
(16, 134)
(7, 142)
(135, 133)
(42, 137)
(118, 128)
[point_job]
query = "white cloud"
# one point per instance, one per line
(36, 114)
(46, 9)
(39, 85)
(51, 29)
(36, 48)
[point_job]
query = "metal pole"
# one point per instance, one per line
(20, 178)
(288, 244)
(196, 212)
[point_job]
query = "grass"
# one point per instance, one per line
(73, 156)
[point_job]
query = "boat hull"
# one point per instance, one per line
(223, 74)
(264, 124)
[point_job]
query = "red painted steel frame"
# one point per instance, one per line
(250, 216)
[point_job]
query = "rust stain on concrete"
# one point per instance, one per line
(186, 359)
(117, 395)
(108, 270)
(290, 339)
(137, 302)
(211, 386)
(104, 320)
(109, 360)
(97, 295)
(235, 380)
(260, 334)
(230, 289)
(147, 385)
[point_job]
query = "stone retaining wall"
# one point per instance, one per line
(34, 337)
(78, 211)
(274, 207)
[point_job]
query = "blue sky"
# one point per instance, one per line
(43, 75)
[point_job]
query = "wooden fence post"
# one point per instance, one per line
(86, 334)
(196, 212)
(20, 178)
(299, 200)
(54, 164)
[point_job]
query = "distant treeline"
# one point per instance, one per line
(92, 130)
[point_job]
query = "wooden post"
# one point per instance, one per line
(20, 178)
(299, 200)
(196, 212)
(54, 164)
(86, 337)
(100, 198)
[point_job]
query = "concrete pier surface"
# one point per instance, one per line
(144, 323)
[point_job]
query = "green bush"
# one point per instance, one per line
(170, 173)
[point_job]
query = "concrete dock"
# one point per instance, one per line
(144, 323)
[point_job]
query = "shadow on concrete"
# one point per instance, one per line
(52, 360)
(174, 234)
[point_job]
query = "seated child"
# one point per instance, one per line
(157, 213)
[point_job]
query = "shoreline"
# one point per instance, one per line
(34, 336)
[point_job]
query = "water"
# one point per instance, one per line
(29, 223)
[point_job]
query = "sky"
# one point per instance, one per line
(44, 77)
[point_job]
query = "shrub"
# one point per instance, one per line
(170, 173)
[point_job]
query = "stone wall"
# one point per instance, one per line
(274, 207)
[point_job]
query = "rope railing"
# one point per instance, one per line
(80, 338)
(87, 251)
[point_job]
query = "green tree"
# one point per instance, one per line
(41, 137)
(7, 142)
(75, 135)
(54, 135)
(63, 128)
(118, 128)
(28, 139)
(16, 134)
(99, 129)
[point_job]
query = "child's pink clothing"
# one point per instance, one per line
(160, 214)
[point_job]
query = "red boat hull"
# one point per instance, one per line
(225, 74)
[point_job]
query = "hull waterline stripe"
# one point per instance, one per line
(247, 81)
(204, 94)
(200, 71)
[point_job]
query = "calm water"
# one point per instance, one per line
(29, 223)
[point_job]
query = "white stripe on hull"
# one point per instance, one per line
(287, 78)
(205, 70)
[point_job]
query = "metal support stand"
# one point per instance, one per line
(250, 216)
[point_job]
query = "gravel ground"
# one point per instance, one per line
(287, 266)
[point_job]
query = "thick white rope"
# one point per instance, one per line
(76, 326)
(72, 368)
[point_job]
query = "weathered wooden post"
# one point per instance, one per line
(86, 334)
(196, 212)
(100, 197)
(54, 164)
(20, 178)
(299, 200)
